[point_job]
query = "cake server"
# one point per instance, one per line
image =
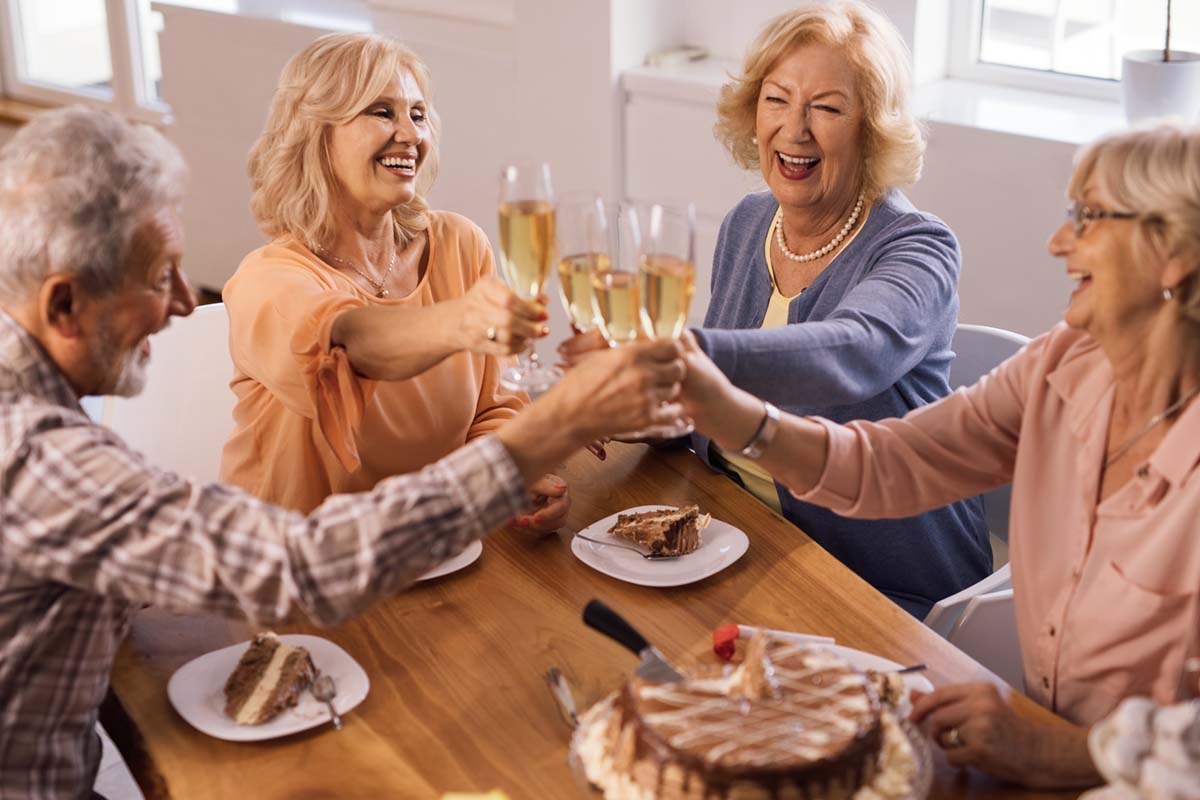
(563, 695)
(653, 667)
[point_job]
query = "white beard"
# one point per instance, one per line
(130, 366)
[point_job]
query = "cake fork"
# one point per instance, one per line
(324, 690)
(647, 556)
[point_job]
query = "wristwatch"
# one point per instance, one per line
(765, 433)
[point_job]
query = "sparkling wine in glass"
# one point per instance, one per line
(583, 245)
(527, 220)
(666, 245)
(615, 293)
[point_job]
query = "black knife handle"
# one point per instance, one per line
(613, 625)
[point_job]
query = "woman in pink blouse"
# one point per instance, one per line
(1096, 424)
(369, 335)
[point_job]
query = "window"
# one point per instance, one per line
(103, 52)
(1073, 46)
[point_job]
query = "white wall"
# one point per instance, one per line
(1002, 195)
(219, 72)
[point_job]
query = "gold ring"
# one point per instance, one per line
(952, 739)
(491, 334)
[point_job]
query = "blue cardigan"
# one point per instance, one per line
(874, 342)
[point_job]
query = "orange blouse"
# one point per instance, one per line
(307, 425)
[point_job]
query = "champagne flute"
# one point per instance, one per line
(633, 298)
(583, 246)
(527, 217)
(615, 290)
(666, 256)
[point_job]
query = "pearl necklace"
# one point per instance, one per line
(1157, 418)
(814, 255)
(378, 285)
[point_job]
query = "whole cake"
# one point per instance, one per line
(668, 532)
(269, 678)
(792, 721)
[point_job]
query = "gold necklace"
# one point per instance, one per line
(1157, 418)
(378, 285)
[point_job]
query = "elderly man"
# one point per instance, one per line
(90, 246)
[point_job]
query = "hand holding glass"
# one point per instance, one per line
(656, 299)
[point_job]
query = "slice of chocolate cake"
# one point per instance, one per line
(268, 678)
(669, 531)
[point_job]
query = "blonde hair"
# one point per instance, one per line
(893, 142)
(327, 84)
(1153, 171)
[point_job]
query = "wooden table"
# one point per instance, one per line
(457, 699)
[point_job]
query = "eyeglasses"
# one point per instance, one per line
(1080, 215)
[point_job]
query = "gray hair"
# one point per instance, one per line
(75, 184)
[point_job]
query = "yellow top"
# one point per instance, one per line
(756, 479)
(307, 425)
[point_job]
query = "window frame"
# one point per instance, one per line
(127, 67)
(966, 34)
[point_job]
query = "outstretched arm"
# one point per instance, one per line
(880, 330)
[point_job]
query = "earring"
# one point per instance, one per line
(1168, 294)
(754, 140)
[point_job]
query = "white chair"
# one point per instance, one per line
(977, 350)
(947, 613)
(183, 417)
(987, 632)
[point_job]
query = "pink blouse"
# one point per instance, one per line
(1107, 595)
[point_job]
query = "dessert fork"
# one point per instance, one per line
(647, 556)
(324, 690)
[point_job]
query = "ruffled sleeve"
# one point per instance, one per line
(281, 314)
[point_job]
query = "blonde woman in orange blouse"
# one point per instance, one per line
(369, 335)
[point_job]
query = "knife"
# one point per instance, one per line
(652, 667)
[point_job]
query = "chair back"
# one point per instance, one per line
(182, 418)
(947, 612)
(978, 349)
(987, 632)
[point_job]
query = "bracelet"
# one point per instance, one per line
(765, 433)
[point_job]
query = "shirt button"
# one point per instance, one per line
(1143, 471)
(1045, 682)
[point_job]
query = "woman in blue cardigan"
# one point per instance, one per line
(831, 293)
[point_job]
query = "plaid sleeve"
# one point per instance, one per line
(78, 507)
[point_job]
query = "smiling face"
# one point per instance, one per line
(809, 126)
(121, 323)
(1115, 293)
(376, 156)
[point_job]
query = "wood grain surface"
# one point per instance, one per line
(457, 698)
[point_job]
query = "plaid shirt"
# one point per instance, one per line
(90, 531)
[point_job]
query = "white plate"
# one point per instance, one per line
(196, 690)
(721, 544)
(864, 661)
(464, 559)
